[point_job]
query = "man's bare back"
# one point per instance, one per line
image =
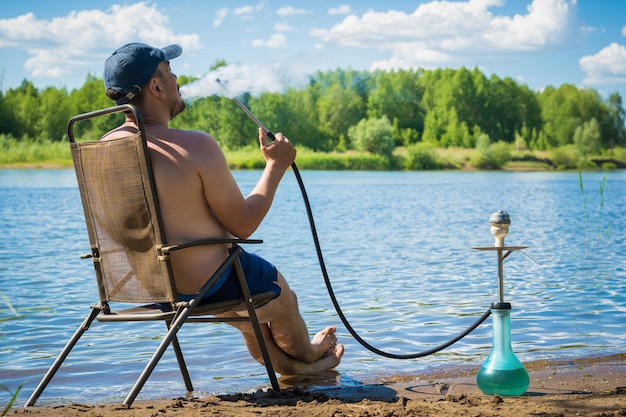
(180, 187)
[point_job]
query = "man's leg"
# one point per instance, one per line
(283, 363)
(289, 331)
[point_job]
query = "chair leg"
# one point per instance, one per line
(171, 334)
(254, 320)
(61, 357)
(181, 360)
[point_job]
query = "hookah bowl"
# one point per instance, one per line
(502, 373)
(500, 222)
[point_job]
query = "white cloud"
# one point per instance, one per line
(80, 41)
(445, 32)
(220, 15)
(282, 27)
(290, 11)
(547, 23)
(343, 9)
(245, 11)
(607, 66)
(277, 40)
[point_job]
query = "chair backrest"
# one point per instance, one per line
(122, 214)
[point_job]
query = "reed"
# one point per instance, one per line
(602, 188)
(586, 211)
(581, 185)
(15, 394)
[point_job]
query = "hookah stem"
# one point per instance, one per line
(322, 264)
(500, 277)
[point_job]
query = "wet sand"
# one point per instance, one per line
(584, 387)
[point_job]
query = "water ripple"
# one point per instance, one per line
(397, 247)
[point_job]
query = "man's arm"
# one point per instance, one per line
(242, 216)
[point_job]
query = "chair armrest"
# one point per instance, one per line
(172, 248)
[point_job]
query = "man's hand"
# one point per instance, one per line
(279, 152)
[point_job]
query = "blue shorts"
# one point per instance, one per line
(260, 276)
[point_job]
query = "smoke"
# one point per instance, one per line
(238, 79)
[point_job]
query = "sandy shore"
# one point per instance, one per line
(584, 387)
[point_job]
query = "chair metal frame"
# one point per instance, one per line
(172, 311)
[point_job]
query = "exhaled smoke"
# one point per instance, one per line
(239, 79)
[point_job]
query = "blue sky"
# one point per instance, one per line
(272, 44)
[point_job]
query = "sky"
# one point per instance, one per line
(270, 45)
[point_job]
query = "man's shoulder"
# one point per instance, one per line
(191, 138)
(189, 134)
(197, 144)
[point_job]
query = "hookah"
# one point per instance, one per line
(502, 373)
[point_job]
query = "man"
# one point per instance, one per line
(199, 199)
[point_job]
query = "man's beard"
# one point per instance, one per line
(178, 108)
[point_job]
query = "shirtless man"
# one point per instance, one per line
(199, 198)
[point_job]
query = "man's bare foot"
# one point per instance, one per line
(333, 358)
(330, 361)
(324, 342)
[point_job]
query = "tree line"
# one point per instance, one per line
(376, 111)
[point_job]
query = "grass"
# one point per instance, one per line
(33, 153)
(52, 154)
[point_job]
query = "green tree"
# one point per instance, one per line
(398, 95)
(432, 129)
(338, 109)
(457, 134)
(373, 135)
(8, 124)
(303, 128)
(22, 103)
(614, 128)
(235, 128)
(90, 97)
(55, 112)
(587, 138)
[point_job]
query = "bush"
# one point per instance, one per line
(421, 156)
(501, 153)
(619, 154)
(373, 135)
(565, 157)
(490, 156)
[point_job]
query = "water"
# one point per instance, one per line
(397, 247)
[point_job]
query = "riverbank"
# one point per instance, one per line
(51, 155)
(584, 387)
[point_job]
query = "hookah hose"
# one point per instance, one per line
(338, 308)
(331, 293)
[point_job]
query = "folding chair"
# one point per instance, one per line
(131, 255)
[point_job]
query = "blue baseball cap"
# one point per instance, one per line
(130, 67)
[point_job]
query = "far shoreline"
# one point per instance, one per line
(511, 168)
